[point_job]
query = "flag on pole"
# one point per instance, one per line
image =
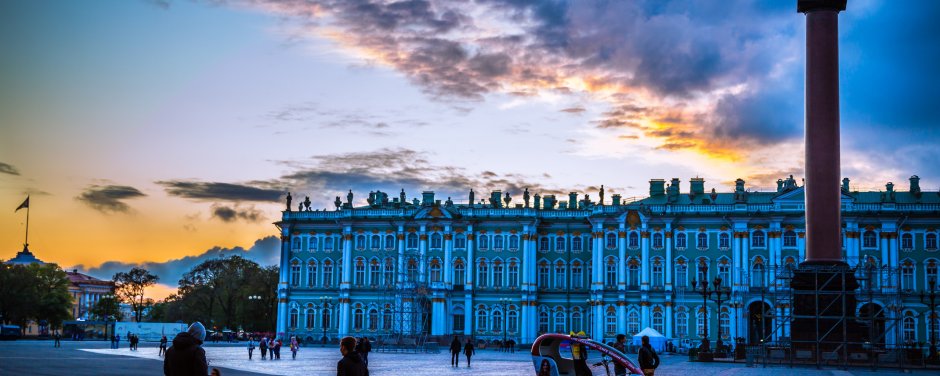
(24, 205)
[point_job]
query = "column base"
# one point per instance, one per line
(823, 315)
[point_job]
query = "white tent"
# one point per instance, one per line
(656, 340)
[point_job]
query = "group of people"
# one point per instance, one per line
(269, 345)
(115, 341)
(508, 345)
(133, 339)
(455, 348)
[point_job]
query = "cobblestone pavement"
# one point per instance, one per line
(322, 361)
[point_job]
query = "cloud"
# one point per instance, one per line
(265, 251)
(233, 213)
(215, 191)
(573, 110)
(109, 198)
(8, 169)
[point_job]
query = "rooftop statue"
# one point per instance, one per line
(415, 202)
(538, 200)
(401, 197)
(371, 199)
(338, 203)
(507, 199)
(525, 197)
(289, 198)
(307, 203)
(601, 195)
(300, 206)
(448, 202)
(349, 198)
(471, 197)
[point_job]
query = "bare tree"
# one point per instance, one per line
(129, 287)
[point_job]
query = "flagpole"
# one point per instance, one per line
(26, 243)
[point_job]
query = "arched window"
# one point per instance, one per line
(543, 244)
(910, 329)
(724, 321)
(702, 274)
(389, 242)
(459, 272)
(559, 322)
(657, 240)
(310, 318)
(757, 239)
(611, 240)
(681, 276)
(543, 275)
(497, 321)
(680, 240)
(633, 323)
(658, 273)
(387, 319)
(930, 241)
(376, 242)
(327, 273)
(907, 241)
(375, 272)
(789, 239)
(907, 275)
(295, 273)
(682, 325)
(497, 273)
(724, 241)
(611, 321)
(313, 244)
(389, 271)
(560, 276)
(701, 241)
(373, 320)
(484, 242)
(483, 270)
(560, 244)
(436, 241)
(724, 272)
(576, 275)
(361, 242)
(497, 242)
(412, 270)
(295, 244)
(513, 273)
(634, 240)
(311, 273)
(576, 244)
(757, 275)
(435, 270)
(658, 321)
(360, 275)
(633, 279)
(292, 318)
(930, 266)
(610, 268)
(325, 319)
(328, 244)
(481, 320)
(543, 322)
(460, 241)
(576, 322)
(869, 240)
(513, 242)
(701, 319)
(412, 241)
(933, 327)
(357, 319)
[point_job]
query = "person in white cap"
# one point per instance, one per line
(186, 357)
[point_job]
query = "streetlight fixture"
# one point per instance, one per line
(718, 294)
(504, 306)
(325, 302)
(932, 320)
(591, 302)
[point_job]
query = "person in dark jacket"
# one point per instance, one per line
(186, 357)
(455, 352)
(469, 350)
(351, 364)
(620, 345)
(365, 349)
(263, 345)
(647, 357)
(162, 346)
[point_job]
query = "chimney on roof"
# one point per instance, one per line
(697, 186)
(915, 185)
(572, 200)
(889, 187)
(496, 198)
(779, 185)
(845, 185)
(672, 193)
(427, 198)
(657, 187)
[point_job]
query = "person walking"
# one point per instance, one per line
(251, 347)
(187, 357)
(469, 351)
(263, 345)
(294, 346)
(512, 346)
(351, 364)
(455, 352)
(117, 341)
(57, 337)
(647, 357)
(620, 345)
(112, 341)
(365, 350)
(162, 346)
(277, 349)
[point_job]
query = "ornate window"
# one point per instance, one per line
(325, 318)
(658, 272)
(576, 322)
(295, 244)
(328, 244)
(634, 240)
(681, 274)
(680, 240)
(930, 241)
(560, 276)
(758, 239)
(311, 273)
(701, 319)
(411, 241)
(497, 274)
(682, 325)
(459, 272)
(497, 321)
(360, 242)
(576, 275)
(412, 270)
(658, 320)
(907, 275)
(292, 318)
(310, 317)
(633, 279)
(389, 242)
(724, 321)
(657, 240)
(724, 272)
(373, 319)
(702, 270)
(460, 241)
(360, 275)
(633, 323)
(435, 270)
(327, 273)
(376, 242)
(701, 241)
(389, 271)
(930, 266)
(543, 244)
(513, 321)
(559, 322)
(481, 320)
(869, 240)
(482, 273)
(758, 275)
(576, 244)
(611, 321)
(497, 242)
(907, 241)
(357, 319)
(436, 241)
(789, 239)
(375, 272)
(559, 244)
(313, 243)
(459, 321)
(484, 242)
(295, 273)
(910, 328)
(543, 275)
(611, 240)
(610, 268)
(543, 322)
(724, 241)
(513, 242)
(513, 273)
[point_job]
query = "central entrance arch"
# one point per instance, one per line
(759, 324)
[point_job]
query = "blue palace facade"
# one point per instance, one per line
(498, 269)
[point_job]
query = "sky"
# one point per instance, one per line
(160, 133)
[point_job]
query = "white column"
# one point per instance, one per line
(282, 283)
(645, 263)
(621, 315)
(471, 263)
(736, 275)
(670, 263)
(644, 314)
(622, 261)
(669, 319)
(422, 255)
(344, 303)
(597, 257)
(400, 275)
(437, 315)
(448, 255)
(801, 243)
(469, 312)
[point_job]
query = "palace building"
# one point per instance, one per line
(497, 269)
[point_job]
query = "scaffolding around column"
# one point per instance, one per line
(410, 304)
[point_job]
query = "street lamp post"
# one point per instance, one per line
(325, 302)
(931, 321)
(718, 295)
(591, 302)
(504, 305)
